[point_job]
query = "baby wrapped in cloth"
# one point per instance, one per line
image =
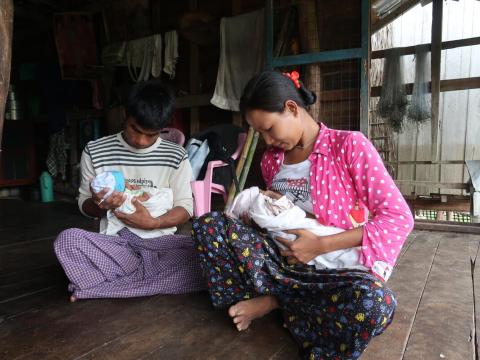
(156, 201)
(277, 215)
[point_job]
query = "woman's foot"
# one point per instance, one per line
(73, 298)
(244, 312)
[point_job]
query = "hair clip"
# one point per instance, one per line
(294, 76)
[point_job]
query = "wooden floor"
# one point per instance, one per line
(435, 282)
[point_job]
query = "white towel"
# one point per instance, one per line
(160, 201)
(278, 215)
(157, 56)
(241, 55)
(171, 53)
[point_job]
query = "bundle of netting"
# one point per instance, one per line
(420, 107)
(393, 101)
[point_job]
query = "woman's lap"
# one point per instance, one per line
(326, 311)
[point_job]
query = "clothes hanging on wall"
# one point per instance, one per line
(139, 58)
(171, 52)
(157, 56)
(57, 155)
(241, 57)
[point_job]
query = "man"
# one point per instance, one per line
(126, 265)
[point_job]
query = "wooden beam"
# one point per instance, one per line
(237, 10)
(403, 8)
(445, 85)
(436, 56)
(365, 68)
(433, 184)
(410, 50)
(427, 162)
(447, 226)
(269, 35)
(317, 57)
(6, 32)
(194, 74)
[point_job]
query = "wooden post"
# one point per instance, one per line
(194, 71)
(237, 10)
(436, 54)
(6, 33)
(365, 68)
(309, 38)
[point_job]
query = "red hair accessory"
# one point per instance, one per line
(294, 76)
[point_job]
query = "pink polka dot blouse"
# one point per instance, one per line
(347, 174)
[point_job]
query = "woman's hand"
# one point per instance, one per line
(306, 247)
(114, 201)
(140, 219)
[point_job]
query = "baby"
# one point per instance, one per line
(156, 201)
(277, 215)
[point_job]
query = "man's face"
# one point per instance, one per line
(138, 137)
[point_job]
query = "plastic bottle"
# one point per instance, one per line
(46, 187)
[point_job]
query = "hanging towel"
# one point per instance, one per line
(241, 55)
(139, 55)
(171, 52)
(157, 56)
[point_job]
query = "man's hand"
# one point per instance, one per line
(306, 247)
(114, 201)
(140, 219)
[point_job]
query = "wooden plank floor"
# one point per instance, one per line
(435, 282)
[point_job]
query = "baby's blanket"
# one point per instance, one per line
(278, 215)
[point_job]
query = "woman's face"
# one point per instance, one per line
(282, 130)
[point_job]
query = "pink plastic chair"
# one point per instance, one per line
(202, 189)
(173, 135)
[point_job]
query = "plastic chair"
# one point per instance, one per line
(173, 135)
(202, 189)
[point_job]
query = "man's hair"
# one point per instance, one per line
(151, 104)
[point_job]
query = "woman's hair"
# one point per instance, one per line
(151, 103)
(269, 90)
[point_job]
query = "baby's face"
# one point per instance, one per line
(143, 196)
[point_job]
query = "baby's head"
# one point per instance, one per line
(136, 191)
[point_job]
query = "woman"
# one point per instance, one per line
(337, 177)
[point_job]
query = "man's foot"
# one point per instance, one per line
(73, 298)
(244, 312)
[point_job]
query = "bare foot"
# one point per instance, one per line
(244, 312)
(73, 298)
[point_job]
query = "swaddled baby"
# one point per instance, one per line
(277, 215)
(156, 201)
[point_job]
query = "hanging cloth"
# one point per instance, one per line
(157, 56)
(57, 155)
(139, 58)
(241, 55)
(171, 52)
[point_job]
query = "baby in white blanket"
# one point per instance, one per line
(156, 201)
(277, 215)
